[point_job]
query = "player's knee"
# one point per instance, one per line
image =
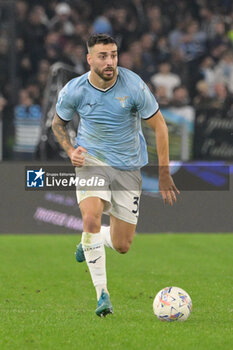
(123, 248)
(92, 222)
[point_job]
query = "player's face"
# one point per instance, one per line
(103, 60)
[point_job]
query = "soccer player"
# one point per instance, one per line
(111, 101)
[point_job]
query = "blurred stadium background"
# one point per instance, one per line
(184, 52)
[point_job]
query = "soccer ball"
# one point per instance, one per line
(172, 304)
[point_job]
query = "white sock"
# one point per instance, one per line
(94, 252)
(107, 240)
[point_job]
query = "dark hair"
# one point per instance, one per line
(100, 39)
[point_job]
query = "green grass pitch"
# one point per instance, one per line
(47, 300)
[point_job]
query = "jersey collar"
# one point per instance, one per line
(102, 90)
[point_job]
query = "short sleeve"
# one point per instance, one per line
(146, 103)
(65, 106)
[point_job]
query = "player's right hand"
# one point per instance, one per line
(77, 157)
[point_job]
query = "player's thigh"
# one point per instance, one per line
(93, 205)
(122, 233)
(92, 209)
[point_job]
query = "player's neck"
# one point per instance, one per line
(99, 83)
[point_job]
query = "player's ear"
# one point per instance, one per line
(89, 59)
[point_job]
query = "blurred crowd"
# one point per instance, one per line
(182, 49)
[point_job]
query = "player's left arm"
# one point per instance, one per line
(167, 187)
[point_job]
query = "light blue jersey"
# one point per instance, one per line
(110, 120)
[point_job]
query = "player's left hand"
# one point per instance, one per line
(168, 189)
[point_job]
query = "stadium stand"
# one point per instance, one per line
(195, 37)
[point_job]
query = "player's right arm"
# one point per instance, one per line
(75, 154)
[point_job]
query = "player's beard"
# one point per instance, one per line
(104, 76)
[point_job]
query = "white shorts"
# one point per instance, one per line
(119, 189)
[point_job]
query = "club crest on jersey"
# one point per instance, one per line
(122, 100)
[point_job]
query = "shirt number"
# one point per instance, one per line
(136, 202)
